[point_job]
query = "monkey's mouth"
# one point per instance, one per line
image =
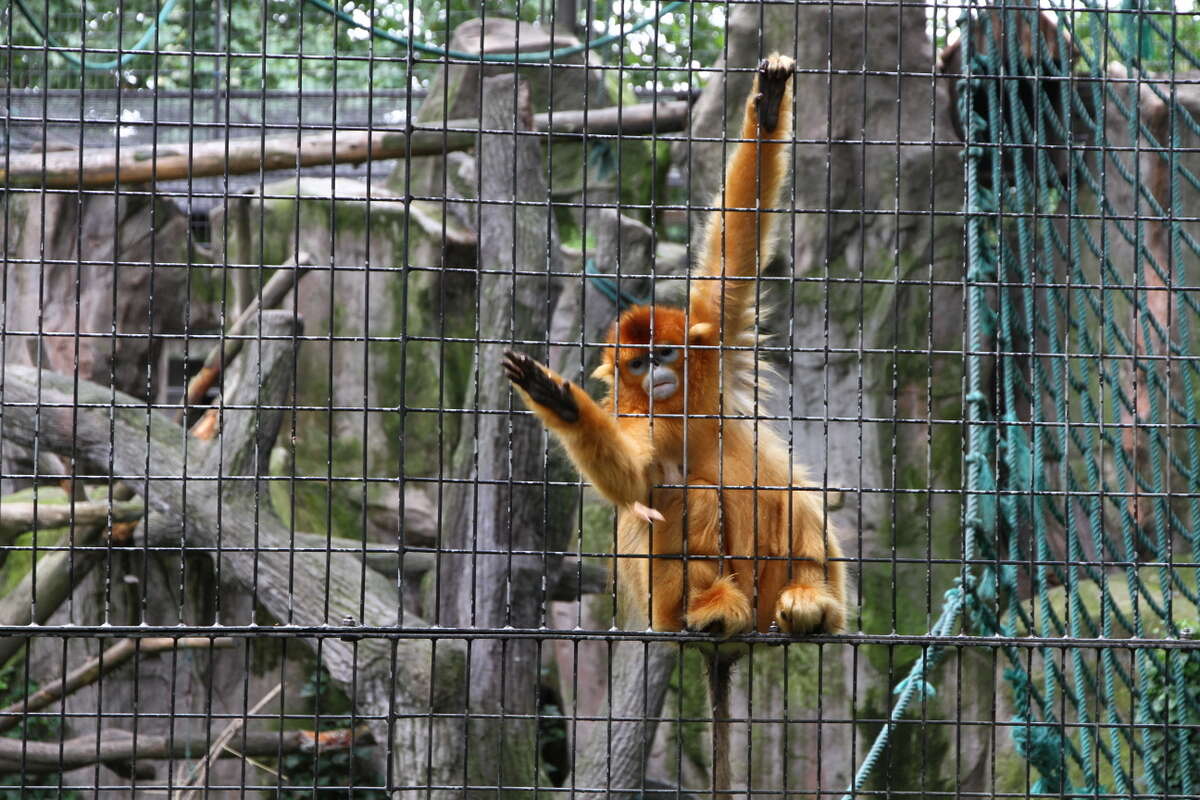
(663, 386)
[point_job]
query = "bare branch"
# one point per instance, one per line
(104, 168)
(106, 662)
(119, 747)
(286, 277)
(17, 518)
(199, 773)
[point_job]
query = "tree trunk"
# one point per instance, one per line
(494, 519)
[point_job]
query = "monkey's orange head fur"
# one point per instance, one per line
(646, 339)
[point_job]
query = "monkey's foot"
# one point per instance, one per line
(541, 387)
(722, 609)
(774, 72)
(807, 608)
(646, 513)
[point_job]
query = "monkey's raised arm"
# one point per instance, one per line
(613, 459)
(737, 242)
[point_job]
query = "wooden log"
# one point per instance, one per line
(491, 588)
(398, 682)
(50, 580)
(107, 167)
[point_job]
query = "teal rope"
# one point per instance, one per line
(63, 50)
(608, 287)
(539, 56)
(916, 684)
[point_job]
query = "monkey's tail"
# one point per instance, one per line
(719, 669)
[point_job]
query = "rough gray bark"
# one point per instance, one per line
(113, 657)
(113, 247)
(612, 757)
(225, 515)
(492, 587)
(49, 582)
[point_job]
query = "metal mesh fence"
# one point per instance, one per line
(275, 521)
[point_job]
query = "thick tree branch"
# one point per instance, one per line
(90, 672)
(106, 167)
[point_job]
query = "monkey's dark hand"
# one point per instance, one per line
(541, 387)
(774, 72)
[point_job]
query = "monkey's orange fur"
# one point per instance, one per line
(635, 454)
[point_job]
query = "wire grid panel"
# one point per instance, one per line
(275, 522)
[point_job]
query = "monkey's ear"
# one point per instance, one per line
(604, 372)
(701, 333)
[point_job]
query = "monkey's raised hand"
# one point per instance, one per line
(774, 72)
(542, 389)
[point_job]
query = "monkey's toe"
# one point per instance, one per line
(722, 609)
(805, 608)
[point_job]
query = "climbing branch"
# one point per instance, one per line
(99, 168)
(106, 662)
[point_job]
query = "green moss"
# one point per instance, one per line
(332, 508)
(20, 561)
(598, 519)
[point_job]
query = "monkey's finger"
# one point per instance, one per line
(774, 73)
(646, 513)
(519, 367)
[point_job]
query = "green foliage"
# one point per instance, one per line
(35, 728)
(289, 44)
(1173, 736)
(328, 774)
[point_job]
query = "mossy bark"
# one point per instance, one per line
(362, 304)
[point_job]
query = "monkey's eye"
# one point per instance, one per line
(637, 366)
(666, 355)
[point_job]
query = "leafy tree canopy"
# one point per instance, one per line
(292, 45)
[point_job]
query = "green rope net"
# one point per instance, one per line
(1083, 453)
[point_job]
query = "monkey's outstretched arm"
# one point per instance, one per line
(737, 242)
(614, 459)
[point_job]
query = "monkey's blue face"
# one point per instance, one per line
(658, 371)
